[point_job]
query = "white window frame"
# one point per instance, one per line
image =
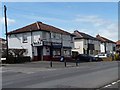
(24, 38)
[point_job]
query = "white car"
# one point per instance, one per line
(101, 55)
(2, 59)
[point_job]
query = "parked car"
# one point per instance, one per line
(102, 55)
(85, 58)
(3, 60)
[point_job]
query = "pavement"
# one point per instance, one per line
(41, 75)
(42, 64)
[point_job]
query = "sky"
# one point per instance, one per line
(89, 17)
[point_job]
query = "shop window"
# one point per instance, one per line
(56, 52)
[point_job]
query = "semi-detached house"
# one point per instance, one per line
(118, 46)
(42, 41)
(106, 45)
(86, 44)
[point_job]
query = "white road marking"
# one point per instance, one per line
(114, 83)
(118, 81)
(107, 86)
(111, 84)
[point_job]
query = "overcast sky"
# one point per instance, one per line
(89, 17)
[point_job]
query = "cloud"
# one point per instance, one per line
(98, 25)
(91, 19)
(9, 21)
(2, 22)
(110, 32)
(42, 18)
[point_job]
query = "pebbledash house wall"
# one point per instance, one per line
(16, 41)
(110, 48)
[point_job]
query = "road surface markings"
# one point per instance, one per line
(113, 83)
(107, 86)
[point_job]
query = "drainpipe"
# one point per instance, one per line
(51, 52)
(62, 51)
(105, 48)
(62, 45)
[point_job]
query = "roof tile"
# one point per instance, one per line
(103, 39)
(82, 35)
(37, 26)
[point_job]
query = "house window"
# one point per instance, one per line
(113, 48)
(67, 52)
(85, 42)
(24, 38)
(44, 35)
(53, 35)
(58, 36)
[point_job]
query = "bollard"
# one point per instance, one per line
(76, 62)
(112, 57)
(65, 62)
(51, 63)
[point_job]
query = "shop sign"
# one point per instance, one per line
(37, 41)
(46, 43)
(56, 43)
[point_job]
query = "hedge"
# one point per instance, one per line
(13, 60)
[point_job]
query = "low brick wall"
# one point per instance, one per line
(107, 59)
(68, 59)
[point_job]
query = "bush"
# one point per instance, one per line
(15, 56)
(4, 53)
(117, 56)
(13, 52)
(13, 60)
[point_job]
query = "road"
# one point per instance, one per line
(86, 75)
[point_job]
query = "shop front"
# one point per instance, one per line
(37, 51)
(67, 53)
(47, 51)
(56, 51)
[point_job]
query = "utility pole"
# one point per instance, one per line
(5, 9)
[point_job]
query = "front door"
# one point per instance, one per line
(39, 53)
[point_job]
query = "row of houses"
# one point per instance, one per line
(44, 42)
(86, 44)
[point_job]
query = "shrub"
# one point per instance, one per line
(117, 56)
